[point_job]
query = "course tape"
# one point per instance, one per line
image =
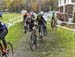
(73, 30)
(13, 21)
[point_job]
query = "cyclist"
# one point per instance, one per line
(3, 33)
(53, 22)
(41, 21)
(32, 14)
(31, 24)
(25, 15)
(25, 21)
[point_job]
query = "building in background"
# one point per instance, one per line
(66, 9)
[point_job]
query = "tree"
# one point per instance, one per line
(8, 2)
(36, 5)
(16, 5)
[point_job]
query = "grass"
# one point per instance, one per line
(15, 34)
(60, 43)
(68, 40)
(16, 31)
(8, 16)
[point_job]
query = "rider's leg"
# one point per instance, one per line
(39, 30)
(4, 43)
(45, 28)
(25, 28)
(4, 51)
(1, 47)
(3, 38)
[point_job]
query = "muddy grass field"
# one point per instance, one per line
(58, 43)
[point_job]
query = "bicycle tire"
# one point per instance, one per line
(10, 47)
(1, 54)
(32, 45)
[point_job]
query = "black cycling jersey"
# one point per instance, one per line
(41, 20)
(3, 33)
(2, 27)
(30, 23)
(3, 30)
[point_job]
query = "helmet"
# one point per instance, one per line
(25, 11)
(41, 12)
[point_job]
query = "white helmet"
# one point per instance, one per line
(25, 11)
(41, 12)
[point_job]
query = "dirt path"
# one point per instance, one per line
(23, 49)
(49, 48)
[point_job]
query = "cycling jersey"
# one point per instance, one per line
(29, 21)
(3, 30)
(2, 26)
(41, 20)
(3, 33)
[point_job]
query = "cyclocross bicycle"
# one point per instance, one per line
(33, 40)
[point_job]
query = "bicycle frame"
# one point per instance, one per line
(33, 41)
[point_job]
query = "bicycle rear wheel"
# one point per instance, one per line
(9, 50)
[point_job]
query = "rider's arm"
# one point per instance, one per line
(36, 20)
(44, 20)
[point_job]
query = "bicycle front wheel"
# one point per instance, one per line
(9, 50)
(33, 43)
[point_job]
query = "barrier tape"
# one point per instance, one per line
(13, 21)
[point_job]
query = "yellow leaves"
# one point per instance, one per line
(8, 2)
(34, 5)
(17, 1)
